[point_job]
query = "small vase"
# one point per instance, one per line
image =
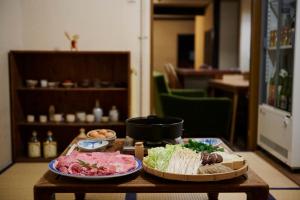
(114, 114)
(97, 111)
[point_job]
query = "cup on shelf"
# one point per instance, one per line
(58, 117)
(84, 83)
(70, 118)
(31, 83)
(104, 119)
(30, 118)
(53, 84)
(90, 118)
(67, 84)
(96, 83)
(43, 118)
(81, 116)
(44, 83)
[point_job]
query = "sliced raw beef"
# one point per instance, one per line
(95, 164)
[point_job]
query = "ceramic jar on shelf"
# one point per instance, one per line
(97, 111)
(114, 114)
(34, 146)
(49, 146)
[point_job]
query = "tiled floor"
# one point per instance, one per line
(17, 183)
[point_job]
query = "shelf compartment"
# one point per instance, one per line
(74, 124)
(111, 67)
(38, 89)
(71, 102)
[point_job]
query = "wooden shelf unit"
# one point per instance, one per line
(71, 124)
(77, 89)
(111, 67)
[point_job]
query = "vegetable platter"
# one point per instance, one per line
(188, 163)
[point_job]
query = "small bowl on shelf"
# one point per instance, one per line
(58, 117)
(67, 84)
(103, 134)
(90, 118)
(70, 118)
(31, 83)
(104, 119)
(92, 144)
(105, 84)
(85, 83)
(53, 84)
(96, 83)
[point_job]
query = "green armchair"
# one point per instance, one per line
(161, 87)
(203, 116)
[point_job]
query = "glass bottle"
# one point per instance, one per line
(50, 146)
(114, 114)
(51, 113)
(139, 150)
(34, 146)
(283, 94)
(284, 36)
(271, 95)
(82, 134)
(97, 111)
(289, 93)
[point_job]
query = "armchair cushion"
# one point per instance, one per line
(188, 92)
(160, 87)
(203, 117)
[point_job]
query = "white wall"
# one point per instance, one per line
(10, 38)
(245, 35)
(103, 25)
(145, 58)
(228, 50)
(165, 34)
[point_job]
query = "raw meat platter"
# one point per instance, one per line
(95, 165)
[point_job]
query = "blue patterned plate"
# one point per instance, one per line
(52, 168)
(91, 144)
(211, 141)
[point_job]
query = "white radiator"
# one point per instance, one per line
(275, 132)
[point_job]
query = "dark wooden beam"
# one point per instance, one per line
(255, 57)
(216, 32)
(167, 10)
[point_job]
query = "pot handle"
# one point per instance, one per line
(152, 117)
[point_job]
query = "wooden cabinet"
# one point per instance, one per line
(106, 72)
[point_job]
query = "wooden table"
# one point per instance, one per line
(198, 78)
(235, 86)
(141, 182)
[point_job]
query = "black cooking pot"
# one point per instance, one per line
(153, 128)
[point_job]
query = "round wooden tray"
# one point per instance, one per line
(197, 178)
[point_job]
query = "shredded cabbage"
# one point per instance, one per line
(159, 157)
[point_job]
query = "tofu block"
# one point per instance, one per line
(232, 160)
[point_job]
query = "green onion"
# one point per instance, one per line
(201, 147)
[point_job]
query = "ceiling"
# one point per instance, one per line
(182, 3)
(182, 8)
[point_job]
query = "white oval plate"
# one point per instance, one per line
(56, 171)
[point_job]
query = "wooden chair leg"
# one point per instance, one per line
(79, 196)
(233, 120)
(213, 195)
